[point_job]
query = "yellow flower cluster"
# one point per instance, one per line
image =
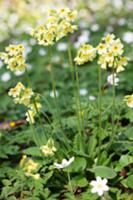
(48, 149)
(110, 52)
(30, 167)
(58, 24)
(25, 96)
(129, 100)
(85, 53)
(13, 57)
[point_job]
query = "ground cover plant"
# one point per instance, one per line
(66, 113)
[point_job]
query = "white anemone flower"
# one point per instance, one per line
(5, 77)
(128, 37)
(53, 95)
(64, 163)
(19, 73)
(62, 46)
(99, 186)
(83, 91)
(92, 98)
(110, 80)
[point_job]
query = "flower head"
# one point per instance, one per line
(58, 24)
(129, 100)
(102, 48)
(29, 167)
(86, 53)
(48, 149)
(64, 163)
(99, 186)
(110, 52)
(15, 92)
(13, 57)
(26, 96)
(109, 38)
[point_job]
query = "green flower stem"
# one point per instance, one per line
(75, 85)
(113, 110)
(40, 121)
(78, 100)
(99, 109)
(33, 131)
(70, 184)
(54, 90)
(49, 108)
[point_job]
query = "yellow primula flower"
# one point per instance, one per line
(129, 100)
(72, 16)
(30, 116)
(12, 50)
(23, 100)
(21, 94)
(15, 92)
(48, 149)
(23, 161)
(28, 93)
(109, 58)
(117, 47)
(109, 39)
(32, 111)
(26, 97)
(101, 48)
(4, 57)
(110, 53)
(58, 24)
(121, 63)
(29, 167)
(85, 53)
(35, 176)
(102, 61)
(14, 57)
(63, 12)
(35, 106)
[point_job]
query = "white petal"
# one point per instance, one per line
(106, 188)
(105, 181)
(93, 190)
(98, 178)
(58, 166)
(93, 183)
(71, 160)
(100, 192)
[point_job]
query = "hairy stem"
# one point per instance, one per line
(54, 91)
(70, 184)
(75, 88)
(99, 109)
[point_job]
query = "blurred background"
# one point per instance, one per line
(95, 19)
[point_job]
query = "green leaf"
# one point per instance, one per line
(124, 161)
(128, 182)
(33, 151)
(104, 172)
(129, 115)
(129, 133)
(79, 182)
(78, 143)
(79, 164)
(92, 145)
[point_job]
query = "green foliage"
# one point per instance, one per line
(112, 161)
